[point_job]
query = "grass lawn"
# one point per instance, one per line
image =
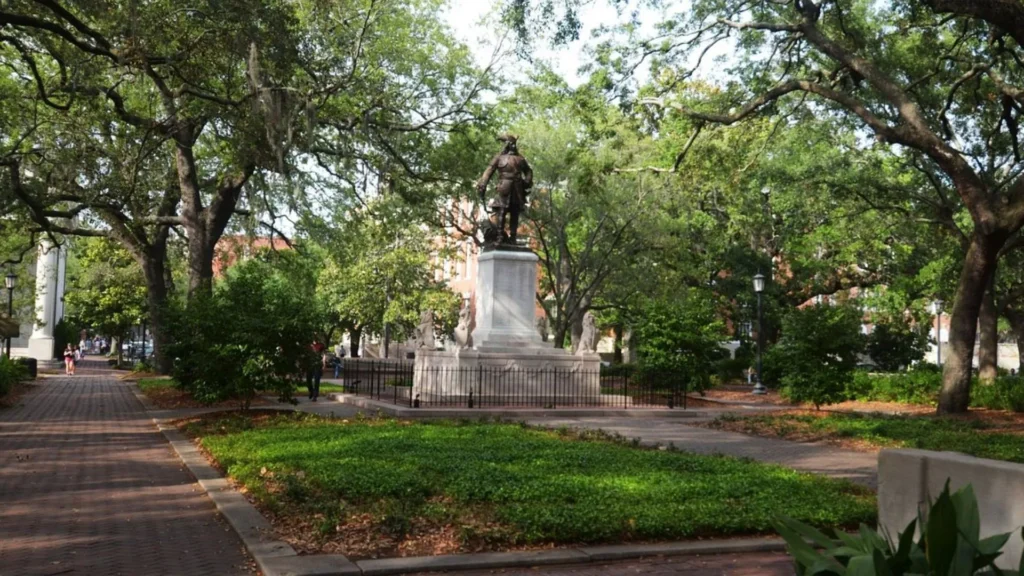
(369, 487)
(999, 440)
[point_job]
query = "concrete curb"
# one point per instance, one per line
(277, 558)
(508, 413)
(585, 555)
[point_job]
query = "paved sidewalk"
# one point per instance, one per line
(88, 486)
(859, 467)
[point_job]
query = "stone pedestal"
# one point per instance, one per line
(505, 301)
(509, 363)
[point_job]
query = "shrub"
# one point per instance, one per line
(142, 366)
(731, 369)
(818, 352)
(682, 337)
(1006, 393)
(913, 387)
(895, 344)
(922, 385)
(618, 370)
(11, 373)
(773, 367)
(950, 543)
(251, 335)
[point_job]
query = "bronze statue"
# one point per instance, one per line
(515, 178)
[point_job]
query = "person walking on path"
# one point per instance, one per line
(316, 369)
(339, 354)
(69, 361)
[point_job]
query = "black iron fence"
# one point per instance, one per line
(404, 384)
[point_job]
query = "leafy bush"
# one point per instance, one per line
(11, 373)
(922, 385)
(950, 544)
(142, 366)
(895, 344)
(773, 367)
(682, 336)
(913, 387)
(614, 370)
(731, 369)
(252, 335)
(818, 352)
(1006, 393)
(64, 333)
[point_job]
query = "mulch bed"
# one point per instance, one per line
(772, 398)
(171, 398)
(995, 422)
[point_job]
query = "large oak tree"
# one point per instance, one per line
(136, 123)
(941, 79)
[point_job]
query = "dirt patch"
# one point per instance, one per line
(171, 398)
(991, 422)
(742, 394)
(139, 376)
(794, 431)
(714, 399)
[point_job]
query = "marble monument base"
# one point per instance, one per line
(530, 376)
(509, 363)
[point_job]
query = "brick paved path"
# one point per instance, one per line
(760, 564)
(860, 467)
(89, 487)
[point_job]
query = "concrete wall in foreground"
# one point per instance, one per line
(910, 479)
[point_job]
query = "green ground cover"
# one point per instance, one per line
(970, 436)
(507, 484)
(148, 385)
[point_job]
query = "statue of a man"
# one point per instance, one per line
(515, 178)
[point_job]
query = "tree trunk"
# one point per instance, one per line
(200, 262)
(978, 268)
(618, 328)
(560, 331)
(153, 267)
(204, 225)
(354, 336)
(988, 325)
(576, 322)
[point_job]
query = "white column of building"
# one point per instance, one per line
(49, 309)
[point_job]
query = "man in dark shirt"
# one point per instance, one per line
(316, 369)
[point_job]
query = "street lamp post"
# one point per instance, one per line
(758, 289)
(937, 310)
(9, 282)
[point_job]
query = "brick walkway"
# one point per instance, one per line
(89, 487)
(763, 564)
(859, 467)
